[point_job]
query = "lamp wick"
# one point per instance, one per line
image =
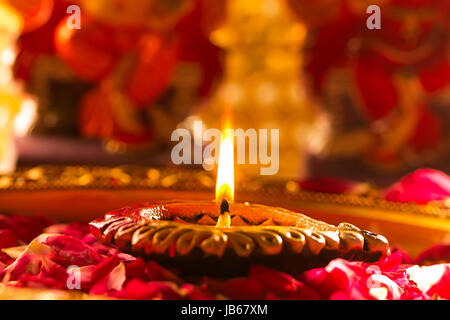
(224, 207)
(224, 220)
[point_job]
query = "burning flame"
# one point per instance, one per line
(225, 171)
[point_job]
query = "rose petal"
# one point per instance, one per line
(26, 229)
(113, 281)
(71, 251)
(421, 186)
(154, 271)
(138, 289)
(275, 281)
(334, 185)
(435, 254)
(92, 273)
(194, 293)
(242, 289)
(8, 239)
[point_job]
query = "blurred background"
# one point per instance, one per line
(106, 82)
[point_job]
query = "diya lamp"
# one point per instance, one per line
(224, 238)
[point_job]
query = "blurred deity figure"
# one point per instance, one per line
(261, 82)
(396, 75)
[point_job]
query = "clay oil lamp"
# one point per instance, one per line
(224, 238)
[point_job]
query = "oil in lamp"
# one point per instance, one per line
(224, 238)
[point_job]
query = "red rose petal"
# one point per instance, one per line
(26, 229)
(7, 239)
(136, 269)
(156, 272)
(442, 288)
(93, 273)
(421, 186)
(271, 296)
(5, 259)
(138, 289)
(242, 289)
(195, 293)
(435, 254)
(334, 185)
(71, 251)
(113, 281)
(276, 281)
(339, 295)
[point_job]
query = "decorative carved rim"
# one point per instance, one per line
(159, 237)
(55, 177)
(185, 231)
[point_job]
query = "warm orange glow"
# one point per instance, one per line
(25, 118)
(10, 21)
(225, 171)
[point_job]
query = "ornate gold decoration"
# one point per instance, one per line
(158, 237)
(58, 177)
